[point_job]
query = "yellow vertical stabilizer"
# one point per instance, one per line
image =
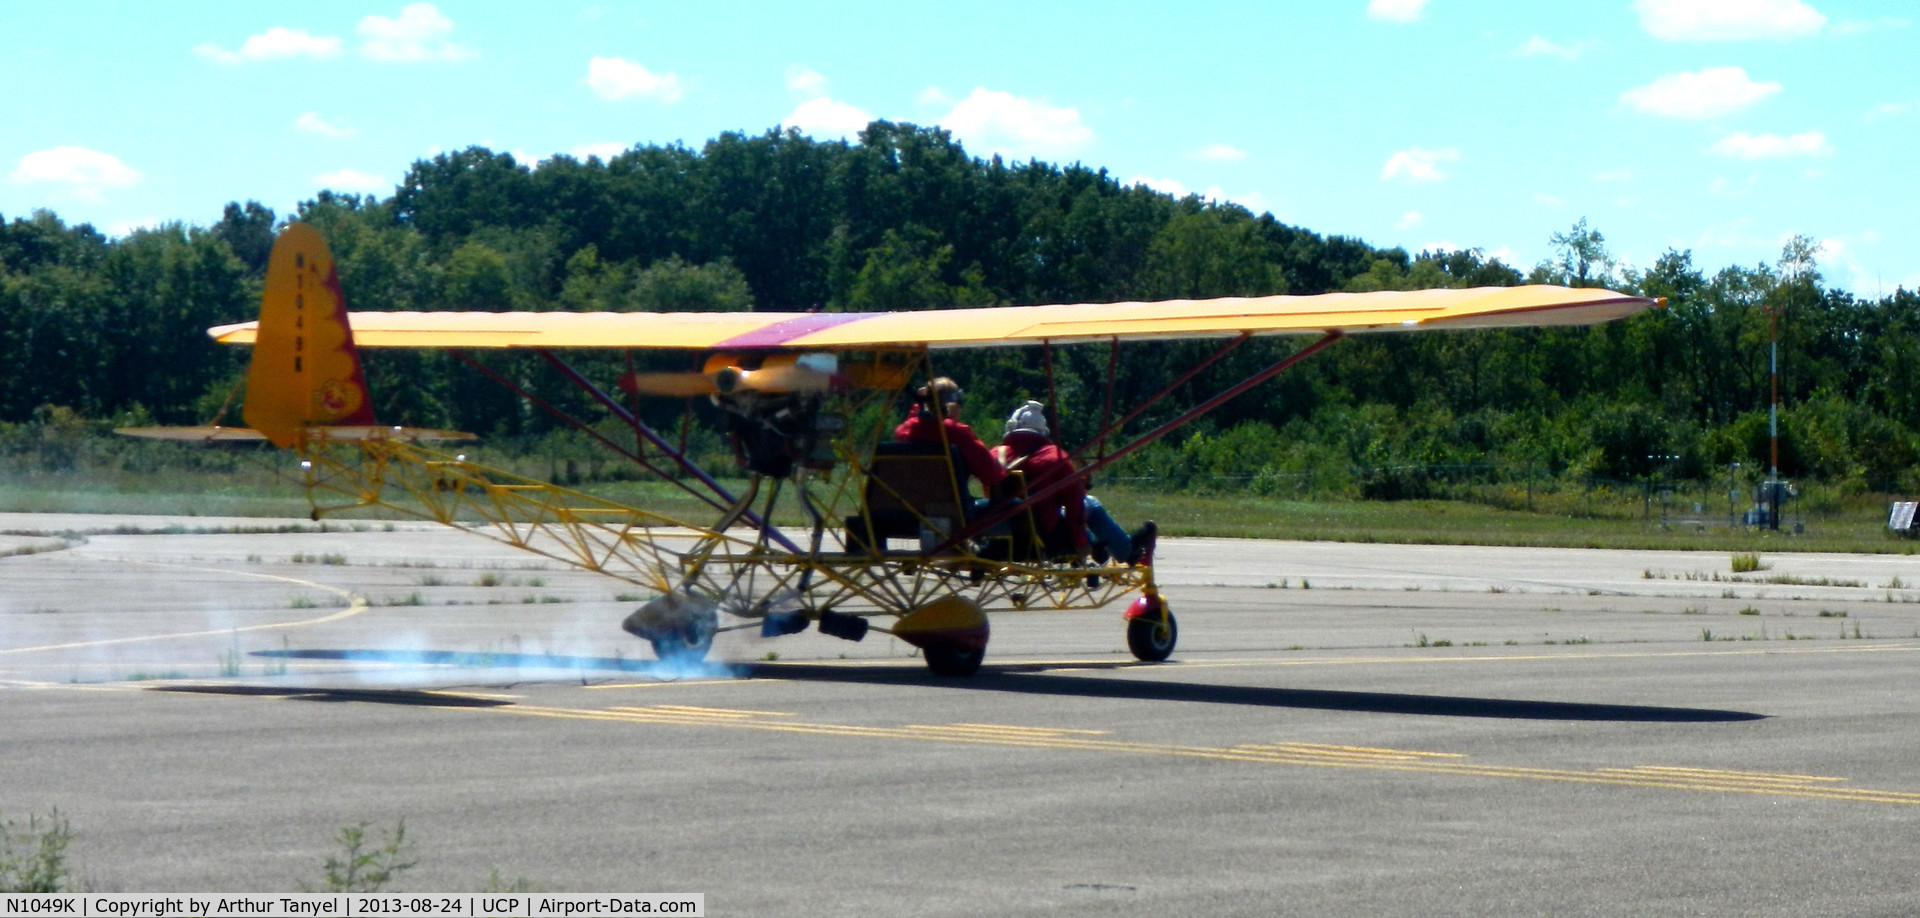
(305, 370)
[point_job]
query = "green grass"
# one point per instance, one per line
(1854, 529)
(1856, 525)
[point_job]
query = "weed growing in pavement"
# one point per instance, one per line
(1747, 563)
(357, 868)
(1749, 610)
(33, 859)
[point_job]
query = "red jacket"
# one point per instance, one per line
(919, 428)
(1043, 464)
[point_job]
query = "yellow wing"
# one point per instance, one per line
(1479, 307)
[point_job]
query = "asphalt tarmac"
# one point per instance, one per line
(1344, 730)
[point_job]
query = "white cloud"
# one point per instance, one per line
(805, 79)
(613, 78)
(825, 117)
(274, 44)
(1709, 93)
(998, 122)
(420, 34)
(606, 150)
(1395, 10)
(312, 123)
(1727, 20)
(1418, 165)
(352, 180)
(1546, 200)
(1540, 47)
(1410, 220)
(1220, 153)
(1771, 146)
(86, 172)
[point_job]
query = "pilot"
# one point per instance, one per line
(936, 418)
(1089, 528)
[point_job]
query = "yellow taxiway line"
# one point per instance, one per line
(1289, 754)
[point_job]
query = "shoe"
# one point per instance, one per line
(1143, 539)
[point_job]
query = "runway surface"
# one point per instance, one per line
(1344, 730)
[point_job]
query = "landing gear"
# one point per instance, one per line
(679, 625)
(1151, 629)
(951, 633)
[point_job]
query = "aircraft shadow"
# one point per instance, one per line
(1044, 679)
(371, 696)
(1027, 681)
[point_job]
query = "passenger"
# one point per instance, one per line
(1089, 528)
(935, 419)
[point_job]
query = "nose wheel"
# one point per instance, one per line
(1151, 629)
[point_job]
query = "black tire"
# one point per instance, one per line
(1149, 640)
(953, 661)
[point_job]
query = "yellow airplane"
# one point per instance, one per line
(892, 541)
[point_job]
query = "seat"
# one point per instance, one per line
(914, 491)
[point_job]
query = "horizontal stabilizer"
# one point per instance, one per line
(315, 434)
(194, 434)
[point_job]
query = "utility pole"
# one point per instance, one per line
(1773, 422)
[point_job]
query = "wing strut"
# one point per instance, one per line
(679, 457)
(995, 517)
(1108, 430)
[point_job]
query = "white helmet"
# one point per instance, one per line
(1030, 416)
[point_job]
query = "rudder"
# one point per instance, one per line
(305, 369)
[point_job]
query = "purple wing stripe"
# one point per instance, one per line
(786, 330)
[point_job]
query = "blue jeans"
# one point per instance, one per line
(1109, 540)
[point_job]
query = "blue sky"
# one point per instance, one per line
(1716, 126)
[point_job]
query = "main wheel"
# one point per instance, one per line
(948, 660)
(1150, 639)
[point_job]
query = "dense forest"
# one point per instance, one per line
(97, 330)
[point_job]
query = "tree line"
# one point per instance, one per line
(905, 218)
